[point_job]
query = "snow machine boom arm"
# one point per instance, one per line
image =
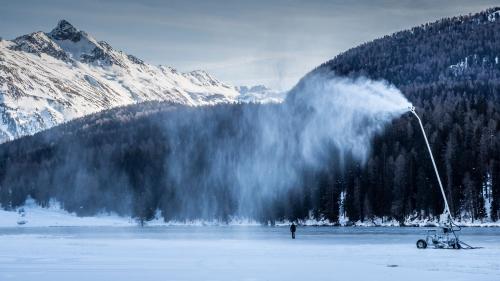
(446, 206)
(444, 242)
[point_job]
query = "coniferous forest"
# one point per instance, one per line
(154, 156)
(450, 71)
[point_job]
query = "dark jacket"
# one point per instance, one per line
(293, 228)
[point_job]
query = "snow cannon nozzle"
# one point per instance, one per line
(411, 108)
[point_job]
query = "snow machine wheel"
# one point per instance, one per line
(421, 244)
(457, 246)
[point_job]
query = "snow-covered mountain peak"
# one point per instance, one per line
(49, 78)
(259, 94)
(200, 72)
(252, 89)
(38, 43)
(202, 78)
(65, 31)
(168, 69)
(78, 44)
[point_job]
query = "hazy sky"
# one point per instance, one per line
(240, 42)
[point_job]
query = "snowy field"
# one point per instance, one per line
(240, 253)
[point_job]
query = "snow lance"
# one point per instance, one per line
(447, 237)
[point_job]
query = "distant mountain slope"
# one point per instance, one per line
(259, 94)
(49, 78)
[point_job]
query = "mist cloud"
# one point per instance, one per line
(265, 150)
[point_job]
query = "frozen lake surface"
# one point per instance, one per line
(240, 253)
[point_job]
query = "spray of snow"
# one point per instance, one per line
(266, 150)
(347, 112)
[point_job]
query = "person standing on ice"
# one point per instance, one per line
(293, 228)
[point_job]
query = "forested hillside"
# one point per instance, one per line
(450, 71)
(133, 160)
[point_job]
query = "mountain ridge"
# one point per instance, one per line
(49, 78)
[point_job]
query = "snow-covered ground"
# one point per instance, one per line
(37, 216)
(240, 253)
(55, 216)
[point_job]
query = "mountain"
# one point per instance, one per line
(259, 94)
(50, 78)
(200, 162)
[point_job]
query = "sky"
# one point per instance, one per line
(273, 43)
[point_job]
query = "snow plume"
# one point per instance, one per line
(256, 153)
(344, 112)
